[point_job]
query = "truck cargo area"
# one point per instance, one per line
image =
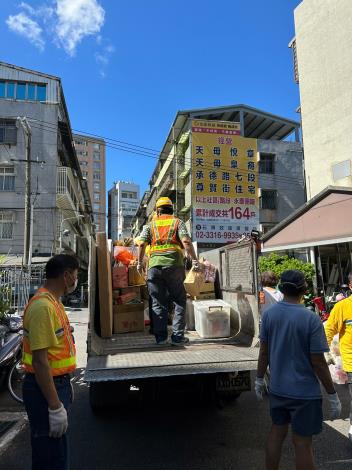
(128, 357)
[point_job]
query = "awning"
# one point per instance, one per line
(324, 220)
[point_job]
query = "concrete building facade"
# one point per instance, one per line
(323, 69)
(91, 156)
(123, 202)
(59, 196)
(281, 175)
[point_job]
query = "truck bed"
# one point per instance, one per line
(166, 361)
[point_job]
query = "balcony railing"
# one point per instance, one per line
(69, 197)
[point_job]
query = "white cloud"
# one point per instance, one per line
(102, 57)
(22, 24)
(66, 23)
(77, 19)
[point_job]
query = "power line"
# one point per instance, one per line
(182, 160)
(50, 127)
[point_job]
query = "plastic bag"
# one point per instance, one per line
(209, 271)
(338, 375)
(124, 255)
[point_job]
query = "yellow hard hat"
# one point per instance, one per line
(163, 201)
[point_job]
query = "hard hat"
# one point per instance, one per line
(163, 201)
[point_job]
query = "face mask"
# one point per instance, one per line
(71, 289)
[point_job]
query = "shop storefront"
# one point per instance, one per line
(319, 232)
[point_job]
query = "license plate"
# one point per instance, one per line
(234, 381)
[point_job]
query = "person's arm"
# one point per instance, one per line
(189, 248)
(141, 252)
(263, 360)
(332, 326)
(321, 370)
(44, 378)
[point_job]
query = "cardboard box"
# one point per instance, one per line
(207, 287)
(119, 277)
(128, 318)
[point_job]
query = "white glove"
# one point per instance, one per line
(329, 359)
(140, 269)
(195, 265)
(58, 423)
(259, 387)
(334, 406)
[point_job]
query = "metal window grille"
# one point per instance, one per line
(8, 131)
(268, 199)
(6, 225)
(267, 163)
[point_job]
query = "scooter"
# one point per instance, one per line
(11, 374)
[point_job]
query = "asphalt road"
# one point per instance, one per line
(176, 432)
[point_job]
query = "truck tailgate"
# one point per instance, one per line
(204, 359)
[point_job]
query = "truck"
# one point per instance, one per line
(216, 367)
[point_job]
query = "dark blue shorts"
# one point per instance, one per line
(305, 416)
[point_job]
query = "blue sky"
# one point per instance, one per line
(128, 67)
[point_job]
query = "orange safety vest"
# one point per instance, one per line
(62, 362)
(164, 235)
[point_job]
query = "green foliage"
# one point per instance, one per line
(280, 263)
(4, 301)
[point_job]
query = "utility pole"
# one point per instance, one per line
(27, 132)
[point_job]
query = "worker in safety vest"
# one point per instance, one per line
(167, 237)
(49, 358)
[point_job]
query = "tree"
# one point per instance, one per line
(280, 263)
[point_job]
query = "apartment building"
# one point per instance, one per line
(323, 70)
(279, 178)
(61, 215)
(91, 153)
(123, 202)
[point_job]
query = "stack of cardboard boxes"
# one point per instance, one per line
(121, 293)
(128, 302)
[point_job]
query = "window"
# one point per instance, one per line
(41, 92)
(96, 146)
(10, 90)
(268, 199)
(81, 142)
(31, 92)
(83, 153)
(8, 131)
(83, 163)
(96, 176)
(24, 91)
(6, 225)
(96, 165)
(96, 197)
(96, 186)
(7, 178)
(96, 207)
(21, 91)
(129, 195)
(96, 156)
(85, 174)
(267, 163)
